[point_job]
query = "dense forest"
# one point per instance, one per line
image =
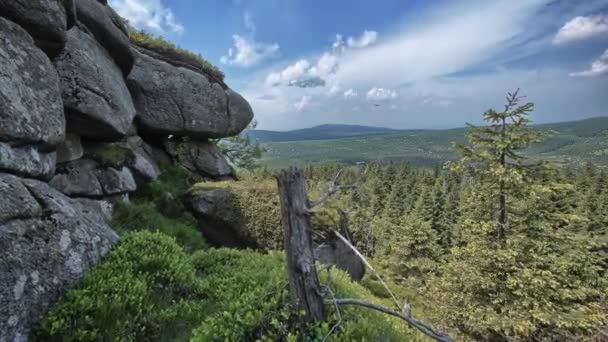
(494, 246)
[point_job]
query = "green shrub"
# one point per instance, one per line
(254, 207)
(146, 289)
(166, 191)
(253, 290)
(139, 215)
(173, 52)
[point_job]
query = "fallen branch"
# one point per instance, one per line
(423, 328)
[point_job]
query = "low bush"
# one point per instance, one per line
(146, 289)
(139, 215)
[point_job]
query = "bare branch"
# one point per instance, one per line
(423, 328)
(360, 255)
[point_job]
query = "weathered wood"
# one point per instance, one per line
(304, 289)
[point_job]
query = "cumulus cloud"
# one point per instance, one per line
(581, 28)
(326, 65)
(365, 39)
(598, 68)
(380, 94)
(300, 105)
(148, 15)
(247, 52)
(350, 93)
(291, 73)
(306, 75)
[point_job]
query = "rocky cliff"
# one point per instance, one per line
(85, 118)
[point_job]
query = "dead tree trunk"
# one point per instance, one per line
(304, 289)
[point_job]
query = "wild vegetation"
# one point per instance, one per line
(492, 246)
(164, 47)
(568, 142)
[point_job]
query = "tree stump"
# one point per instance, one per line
(304, 289)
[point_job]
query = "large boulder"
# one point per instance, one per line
(200, 157)
(132, 152)
(109, 30)
(248, 215)
(31, 109)
(70, 149)
(45, 20)
(96, 98)
(88, 178)
(47, 242)
(177, 101)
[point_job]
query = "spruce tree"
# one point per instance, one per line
(522, 271)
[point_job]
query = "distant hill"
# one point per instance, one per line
(322, 132)
(571, 142)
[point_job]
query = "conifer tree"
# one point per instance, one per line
(521, 272)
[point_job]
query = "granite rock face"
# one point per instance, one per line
(47, 242)
(173, 100)
(109, 30)
(200, 157)
(45, 20)
(96, 98)
(87, 178)
(70, 149)
(31, 109)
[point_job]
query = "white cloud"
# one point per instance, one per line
(581, 28)
(350, 93)
(335, 89)
(304, 101)
(289, 74)
(365, 39)
(249, 23)
(148, 15)
(598, 68)
(443, 40)
(338, 45)
(327, 64)
(247, 52)
(380, 94)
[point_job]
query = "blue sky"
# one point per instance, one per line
(394, 63)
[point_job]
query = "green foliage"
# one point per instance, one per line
(254, 288)
(522, 270)
(146, 289)
(573, 142)
(145, 216)
(111, 155)
(165, 192)
(158, 44)
(156, 207)
(241, 151)
(254, 207)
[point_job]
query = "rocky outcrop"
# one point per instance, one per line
(31, 109)
(88, 178)
(249, 216)
(45, 20)
(178, 101)
(200, 157)
(109, 30)
(70, 149)
(96, 98)
(47, 242)
(71, 122)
